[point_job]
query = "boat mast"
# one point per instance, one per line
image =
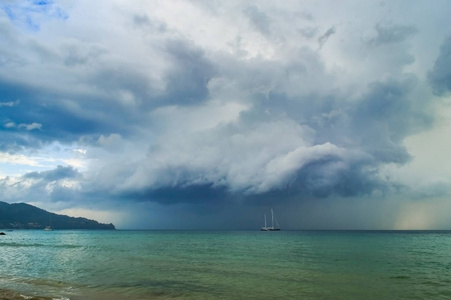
(265, 220)
(272, 218)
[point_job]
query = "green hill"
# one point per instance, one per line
(25, 216)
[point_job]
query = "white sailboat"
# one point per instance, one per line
(272, 228)
(49, 228)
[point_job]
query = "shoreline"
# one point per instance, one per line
(15, 295)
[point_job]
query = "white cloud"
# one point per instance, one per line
(28, 127)
(17, 159)
(7, 104)
(31, 126)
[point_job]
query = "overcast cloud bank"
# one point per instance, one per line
(198, 113)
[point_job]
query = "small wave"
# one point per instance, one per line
(34, 297)
(400, 277)
(65, 246)
(34, 288)
(18, 245)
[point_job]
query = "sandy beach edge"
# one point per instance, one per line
(15, 295)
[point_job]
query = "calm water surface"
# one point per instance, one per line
(227, 265)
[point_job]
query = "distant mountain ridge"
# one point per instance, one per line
(26, 216)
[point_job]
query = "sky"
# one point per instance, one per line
(207, 114)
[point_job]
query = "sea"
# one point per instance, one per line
(125, 264)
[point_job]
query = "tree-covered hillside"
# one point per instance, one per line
(25, 216)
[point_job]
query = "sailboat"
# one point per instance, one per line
(49, 228)
(272, 228)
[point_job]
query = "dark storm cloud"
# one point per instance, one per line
(59, 119)
(65, 115)
(386, 116)
(81, 55)
(308, 32)
(259, 19)
(377, 123)
(351, 179)
(285, 144)
(14, 138)
(365, 135)
(191, 70)
(440, 75)
(208, 108)
(53, 175)
(325, 36)
(375, 126)
(185, 194)
(389, 34)
(144, 22)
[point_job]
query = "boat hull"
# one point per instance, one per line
(272, 228)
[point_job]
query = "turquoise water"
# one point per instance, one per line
(227, 265)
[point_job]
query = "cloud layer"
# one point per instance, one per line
(185, 107)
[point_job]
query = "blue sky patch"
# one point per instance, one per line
(31, 14)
